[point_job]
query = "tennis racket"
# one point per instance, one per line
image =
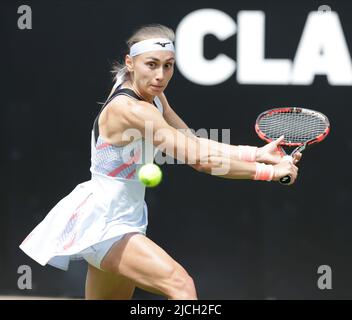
(301, 128)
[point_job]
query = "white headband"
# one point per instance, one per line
(155, 44)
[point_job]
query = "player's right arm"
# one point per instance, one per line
(126, 114)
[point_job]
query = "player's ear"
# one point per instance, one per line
(129, 63)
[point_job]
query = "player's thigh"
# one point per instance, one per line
(107, 285)
(140, 259)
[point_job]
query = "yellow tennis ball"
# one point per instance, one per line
(150, 175)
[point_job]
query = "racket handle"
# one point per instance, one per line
(287, 179)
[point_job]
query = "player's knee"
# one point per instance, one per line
(189, 289)
(182, 287)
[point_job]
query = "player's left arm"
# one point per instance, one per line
(269, 153)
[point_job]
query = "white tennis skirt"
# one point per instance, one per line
(95, 211)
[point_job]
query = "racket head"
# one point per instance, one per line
(300, 126)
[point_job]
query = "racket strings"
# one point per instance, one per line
(296, 127)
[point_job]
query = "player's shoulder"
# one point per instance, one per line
(122, 103)
(130, 109)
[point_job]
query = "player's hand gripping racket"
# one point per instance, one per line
(300, 127)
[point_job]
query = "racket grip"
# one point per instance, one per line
(286, 179)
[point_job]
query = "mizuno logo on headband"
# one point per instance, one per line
(155, 44)
(162, 44)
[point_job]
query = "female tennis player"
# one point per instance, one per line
(104, 220)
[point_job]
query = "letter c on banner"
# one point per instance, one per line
(190, 46)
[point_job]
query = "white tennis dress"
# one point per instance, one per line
(108, 206)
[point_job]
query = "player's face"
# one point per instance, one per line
(152, 72)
